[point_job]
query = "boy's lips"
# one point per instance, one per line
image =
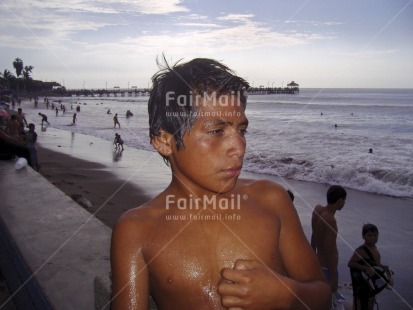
(233, 171)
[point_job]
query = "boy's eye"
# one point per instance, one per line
(215, 131)
(243, 132)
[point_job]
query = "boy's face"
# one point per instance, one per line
(214, 148)
(371, 238)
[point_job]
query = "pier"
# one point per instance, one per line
(292, 88)
(115, 92)
(273, 90)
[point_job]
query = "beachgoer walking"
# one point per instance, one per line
(116, 121)
(74, 118)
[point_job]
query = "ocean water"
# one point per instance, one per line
(293, 136)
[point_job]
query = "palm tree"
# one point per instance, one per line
(7, 76)
(18, 65)
(26, 74)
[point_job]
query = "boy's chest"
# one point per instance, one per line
(193, 254)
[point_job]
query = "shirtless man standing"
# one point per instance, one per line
(13, 127)
(324, 236)
(211, 240)
(21, 119)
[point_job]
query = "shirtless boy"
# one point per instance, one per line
(211, 240)
(361, 261)
(324, 236)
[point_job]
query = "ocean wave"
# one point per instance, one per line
(398, 183)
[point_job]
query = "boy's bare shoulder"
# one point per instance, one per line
(140, 218)
(260, 187)
(265, 192)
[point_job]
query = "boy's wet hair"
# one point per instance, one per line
(369, 228)
(334, 193)
(171, 101)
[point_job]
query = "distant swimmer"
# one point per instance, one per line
(335, 125)
(129, 113)
(370, 150)
(108, 112)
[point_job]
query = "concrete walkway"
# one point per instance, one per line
(51, 249)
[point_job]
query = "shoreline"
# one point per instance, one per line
(74, 176)
(359, 170)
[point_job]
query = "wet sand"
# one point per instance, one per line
(115, 182)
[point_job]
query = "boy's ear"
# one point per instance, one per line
(163, 143)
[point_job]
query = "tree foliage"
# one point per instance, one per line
(23, 79)
(18, 66)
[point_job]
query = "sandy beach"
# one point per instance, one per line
(90, 180)
(115, 182)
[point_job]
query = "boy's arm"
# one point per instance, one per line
(354, 263)
(314, 220)
(330, 252)
(252, 285)
(300, 262)
(130, 288)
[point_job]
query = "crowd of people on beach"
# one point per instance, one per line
(15, 140)
(18, 138)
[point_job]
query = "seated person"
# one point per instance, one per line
(211, 240)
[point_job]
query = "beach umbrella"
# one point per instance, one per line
(3, 113)
(293, 84)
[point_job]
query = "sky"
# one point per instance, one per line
(115, 43)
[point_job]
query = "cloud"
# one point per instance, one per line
(105, 31)
(232, 32)
(158, 6)
(204, 25)
(51, 22)
(313, 23)
(368, 54)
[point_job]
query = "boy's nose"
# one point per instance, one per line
(236, 145)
